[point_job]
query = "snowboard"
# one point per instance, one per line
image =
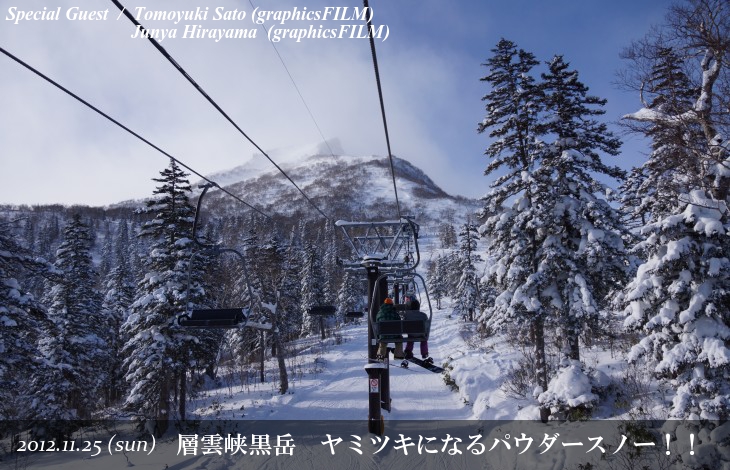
(420, 362)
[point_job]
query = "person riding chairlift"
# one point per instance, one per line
(413, 304)
(387, 312)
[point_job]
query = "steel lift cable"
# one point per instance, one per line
(294, 83)
(212, 101)
(382, 105)
(108, 117)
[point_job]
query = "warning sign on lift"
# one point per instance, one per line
(374, 387)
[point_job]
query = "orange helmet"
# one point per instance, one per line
(388, 300)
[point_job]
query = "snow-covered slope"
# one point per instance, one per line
(328, 381)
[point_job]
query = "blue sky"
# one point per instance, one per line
(56, 151)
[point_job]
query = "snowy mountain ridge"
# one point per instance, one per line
(343, 186)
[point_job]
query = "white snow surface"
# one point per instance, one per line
(328, 381)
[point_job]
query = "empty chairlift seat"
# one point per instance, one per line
(322, 310)
(354, 316)
(214, 318)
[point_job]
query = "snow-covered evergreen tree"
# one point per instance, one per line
(452, 271)
(49, 234)
(330, 273)
(512, 105)
(156, 354)
(106, 262)
(22, 319)
(466, 295)
(447, 235)
(268, 268)
(117, 300)
(556, 243)
(671, 169)
(680, 300)
(290, 292)
(74, 350)
(350, 295)
(680, 297)
(436, 280)
(581, 256)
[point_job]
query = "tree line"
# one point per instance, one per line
(567, 256)
(88, 327)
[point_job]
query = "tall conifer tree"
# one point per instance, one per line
(555, 242)
(156, 353)
(466, 295)
(679, 299)
(513, 106)
(22, 319)
(581, 256)
(75, 349)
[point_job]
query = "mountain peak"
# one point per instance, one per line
(344, 186)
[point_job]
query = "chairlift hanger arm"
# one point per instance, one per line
(373, 243)
(214, 318)
(205, 188)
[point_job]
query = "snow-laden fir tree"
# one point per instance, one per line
(436, 280)
(679, 299)
(487, 294)
(74, 350)
(156, 353)
(466, 295)
(350, 295)
(105, 262)
(290, 292)
(269, 269)
(330, 271)
(117, 300)
(22, 319)
(241, 285)
(48, 235)
(581, 256)
(555, 241)
(452, 271)
(447, 235)
(512, 105)
(669, 96)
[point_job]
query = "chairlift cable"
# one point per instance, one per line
(108, 117)
(195, 84)
(296, 87)
(382, 104)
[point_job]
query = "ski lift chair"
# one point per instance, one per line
(353, 317)
(414, 325)
(214, 318)
(322, 310)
